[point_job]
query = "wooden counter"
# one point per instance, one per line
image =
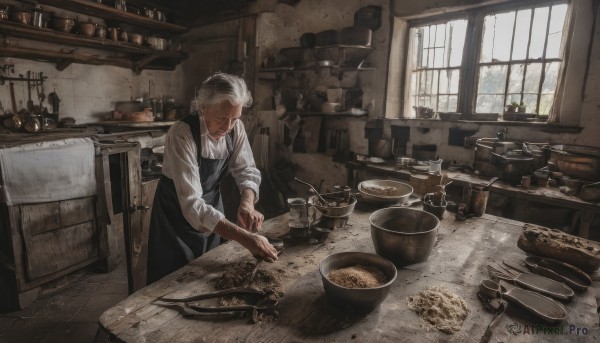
(544, 195)
(458, 262)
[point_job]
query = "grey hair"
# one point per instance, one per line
(224, 87)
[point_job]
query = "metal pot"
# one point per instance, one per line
(101, 32)
(156, 43)
(576, 161)
(513, 168)
(62, 24)
(381, 148)
(136, 38)
(87, 29)
(113, 33)
(33, 123)
(404, 236)
(21, 17)
(148, 13)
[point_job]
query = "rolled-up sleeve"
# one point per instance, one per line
(242, 165)
(180, 164)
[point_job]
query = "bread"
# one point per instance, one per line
(561, 246)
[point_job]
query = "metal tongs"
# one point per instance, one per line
(261, 301)
(191, 302)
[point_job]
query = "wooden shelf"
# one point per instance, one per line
(106, 12)
(50, 36)
(137, 57)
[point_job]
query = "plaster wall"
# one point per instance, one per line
(89, 93)
(311, 16)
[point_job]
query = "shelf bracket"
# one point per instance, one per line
(63, 64)
(139, 65)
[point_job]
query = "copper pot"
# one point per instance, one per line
(21, 17)
(87, 29)
(113, 33)
(136, 38)
(63, 24)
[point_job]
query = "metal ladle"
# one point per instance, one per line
(325, 202)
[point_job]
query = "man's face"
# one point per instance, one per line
(220, 118)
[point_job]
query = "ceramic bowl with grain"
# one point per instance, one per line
(361, 300)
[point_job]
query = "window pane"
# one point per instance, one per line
(515, 82)
(454, 81)
(443, 103)
(444, 79)
(492, 79)
(530, 100)
(551, 77)
(532, 78)
(510, 98)
(453, 103)
(555, 31)
(546, 102)
(497, 36)
(425, 37)
(521, 35)
(439, 61)
(440, 36)
(490, 104)
(538, 32)
(458, 30)
(434, 82)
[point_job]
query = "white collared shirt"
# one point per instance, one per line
(180, 164)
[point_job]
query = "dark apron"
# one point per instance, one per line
(172, 241)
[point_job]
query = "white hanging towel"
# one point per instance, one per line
(47, 171)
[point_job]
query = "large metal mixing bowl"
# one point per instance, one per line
(403, 235)
(401, 194)
(358, 299)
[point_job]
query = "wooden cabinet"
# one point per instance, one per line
(42, 242)
(117, 53)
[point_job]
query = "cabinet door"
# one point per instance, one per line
(58, 235)
(138, 198)
(139, 238)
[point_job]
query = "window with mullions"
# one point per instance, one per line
(483, 60)
(520, 59)
(435, 65)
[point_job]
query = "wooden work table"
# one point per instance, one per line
(458, 262)
(544, 195)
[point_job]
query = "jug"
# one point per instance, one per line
(299, 217)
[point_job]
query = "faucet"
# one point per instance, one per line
(502, 134)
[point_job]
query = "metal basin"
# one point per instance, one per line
(333, 211)
(400, 195)
(576, 160)
(404, 236)
(358, 299)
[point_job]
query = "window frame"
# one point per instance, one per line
(467, 97)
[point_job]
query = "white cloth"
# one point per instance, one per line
(180, 164)
(48, 171)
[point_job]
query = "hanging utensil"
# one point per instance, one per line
(13, 102)
(29, 101)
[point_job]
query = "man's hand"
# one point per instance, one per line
(248, 218)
